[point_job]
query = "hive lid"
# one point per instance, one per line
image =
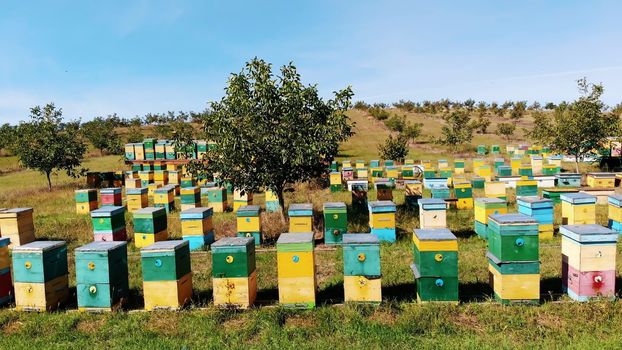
(13, 212)
(301, 206)
(233, 242)
(87, 190)
(4, 241)
(139, 190)
(196, 212)
(513, 219)
(602, 175)
(434, 234)
(296, 237)
(359, 238)
(334, 205)
(588, 233)
(531, 200)
(112, 190)
(39, 246)
(152, 211)
(101, 246)
(248, 210)
(490, 200)
(428, 201)
(381, 204)
(572, 175)
(165, 245)
(107, 211)
(412, 182)
(578, 197)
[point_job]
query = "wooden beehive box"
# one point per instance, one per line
(335, 222)
(382, 220)
(137, 198)
(578, 208)
(296, 269)
(249, 222)
(435, 264)
(300, 217)
(361, 268)
(150, 226)
(233, 272)
(432, 213)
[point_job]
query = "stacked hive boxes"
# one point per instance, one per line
(504, 170)
(526, 188)
(149, 145)
(536, 165)
(335, 222)
(347, 173)
(167, 276)
(495, 189)
(615, 212)
(249, 222)
(578, 208)
(361, 173)
(464, 195)
(101, 276)
(588, 261)
(296, 269)
(137, 198)
(429, 172)
(188, 181)
(484, 171)
(174, 178)
(335, 182)
(160, 150)
(541, 209)
(272, 202)
(435, 256)
(361, 268)
(86, 201)
(382, 220)
(384, 189)
(300, 217)
(111, 197)
(217, 198)
(150, 226)
(525, 170)
(41, 276)
(6, 286)
(568, 180)
(432, 213)
(392, 173)
(139, 151)
(555, 193)
(233, 272)
(408, 172)
(601, 180)
(129, 151)
(197, 227)
(146, 178)
(160, 177)
(484, 207)
(190, 197)
(513, 258)
(109, 224)
(164, 197)
(241, 198)
(413, 190)
(201, 149)
(459, 166)
(170, 151)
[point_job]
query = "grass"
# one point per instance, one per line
(400, 322)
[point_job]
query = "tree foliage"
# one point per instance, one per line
(457, 129)
(7, 135)
(518, 110)
(506, 130)
(183, 135)
(46, 144)
(273, 130)
(394, 147)
(578, 128)
(101, 133)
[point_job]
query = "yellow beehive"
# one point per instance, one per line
(515, 286)
(484, 171)
(495, 189)
(536, 165)
(464, 203)
(137, 198)
(392, 172)
(545, 231)
(240, 292)
(151, 189)
(335, 178)
(240, 199)
(171, 167)
(413, 189)
(139, 151)
(300, 217)
(296, 269)
(362, 289)
(601, 180)
(578, 209)
(17, 224)
(160, 177)
(133, 183)
(146, 177)
(443, 164)
(515, 164)
(41, 296)
(382, 220)
(555, 161)
(167, 294)
(485, 209)
(144, 239)
(458, 166)
(478, 162)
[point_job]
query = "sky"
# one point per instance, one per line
(94, 58)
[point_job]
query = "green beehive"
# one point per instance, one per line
(150, 220)
(233, 257)
(504, 170)
(554, 193)
(147, 167)
(249, 223)
(464, 191)
(110, 218)
(165, 261)
(160, 150)
(335, 222)
(435, 267)
(525, 171)
(334, 166)
(136, 167)
(478, 182)
(498, 162)
(447, 173)
(513, 237)
(495, 149)
(482, 149)
(429, 173)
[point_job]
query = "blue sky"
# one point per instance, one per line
(134, 57)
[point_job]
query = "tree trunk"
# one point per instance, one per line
(281, 199)
(47, 174)
(576, 163)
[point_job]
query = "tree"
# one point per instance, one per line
(481, 124)
(101, 133)
(183, 139)
(550, 106)
(535, 106)
(506, 130)
(7, 134)
(46, 144)
(578, 128)
(457, 129)
(272, 131)
(394, 147)
(469, 104)
(134, 133)
(412, 130)
(518, 110)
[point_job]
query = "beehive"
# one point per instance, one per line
(190, 198)
(150, 225)
(435, 264)
(525, 170)
(588, 261)
(392, 172)
(129, 151)
(388, 162)
(159, 165)
(86, 201)
(568, 180)
(361, 184)
(495, 149)
(296, 269)
(6, 284)
(335, 222)
(555, 160)
(188, 181)
(544, 181)
(272, 202)
(374, 163)
(464, 195)
(147, 166)
(446, 173)
(382, 220)
(513, 237)
(160, 150)
(526, 188)
(334, 166)
(432, 182)
(151, 188)
(146, 178)
(376, 173)
(440, 191)
(137, 198)
(555, 193)
(361, 268)
(498, 162)
(335, 182)
(484, 171)
(601, 180)
(160, 177)
(197, 227)
(169, 150)
(478, 182)
(536, 165)
(40, 275)
(346, 163)
(17, 225)
(615, 212)
(495, 189)
(233, 271)
(514, 282)
(139, 151)
(504, 170)
(484, 207)
(541, 209)
(132, 183)
(101, 276)
(482, 149)
(201, 149)
(241, 198)
(478, 162)
(578, 208)
(347, 173)
(432, 213)
(111, 197)
(174, 177)
(550, 169)
(149, 145)
(413, 190)
(109, 224)
(300, 217)
(408, 172)
(249, 222)
(217, 198)
(164, 197)
(361, 173)
(459, 166)
(429, 172)
(167, 275)
(384, 189)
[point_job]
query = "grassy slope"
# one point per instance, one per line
(475, 323)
